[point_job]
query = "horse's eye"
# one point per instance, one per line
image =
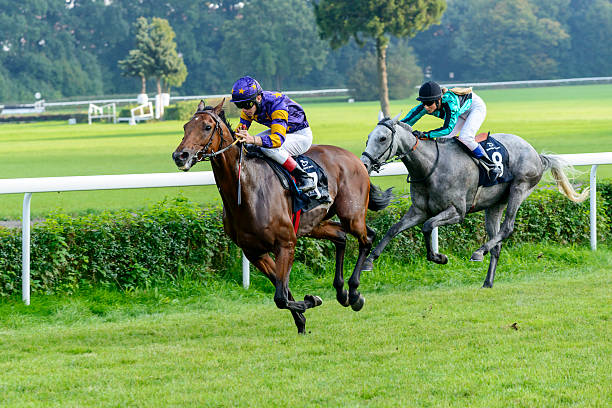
(208, 127)
(383, 138)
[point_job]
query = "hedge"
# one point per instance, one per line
(176, 239)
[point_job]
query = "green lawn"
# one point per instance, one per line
(540, 338)
(554, 119)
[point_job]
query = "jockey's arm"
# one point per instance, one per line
(415, 114)
(278, 127)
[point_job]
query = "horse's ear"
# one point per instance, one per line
(381, 116)
(219, 107)
(201, 105)
(396, 118)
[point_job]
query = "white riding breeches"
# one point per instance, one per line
(295, 143)
(468, 124)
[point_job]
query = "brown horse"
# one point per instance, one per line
(262, 224)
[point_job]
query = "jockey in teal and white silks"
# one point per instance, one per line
(289, 133)
(463, 113)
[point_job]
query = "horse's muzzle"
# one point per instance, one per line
(182, 160)
(367, 163)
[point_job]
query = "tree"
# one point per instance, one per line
(155, 54)
(403, 73)
(590, 30)
(339, 20)
(273, 46)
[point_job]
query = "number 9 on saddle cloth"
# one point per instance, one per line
(499, 155)
(301, 201)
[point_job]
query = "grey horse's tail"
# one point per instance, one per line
(379, 199)
(557, 167)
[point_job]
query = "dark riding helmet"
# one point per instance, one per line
(429, 91)
(245, 89)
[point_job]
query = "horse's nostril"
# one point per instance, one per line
(184, 155)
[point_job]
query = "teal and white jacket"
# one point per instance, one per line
(450, 109)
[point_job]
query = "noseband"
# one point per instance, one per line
(200, 155)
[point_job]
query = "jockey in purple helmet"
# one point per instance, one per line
(289, 133)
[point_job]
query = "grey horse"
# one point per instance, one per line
(444, 186)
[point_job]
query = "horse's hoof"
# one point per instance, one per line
(342, 298)
(367, 265)
(313, 301)
(486, 285)
(477, 257)
(358, 305)
(439, 259)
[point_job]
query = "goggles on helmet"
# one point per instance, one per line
(245, 104)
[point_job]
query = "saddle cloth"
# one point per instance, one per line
(301, 201)
(499, 155)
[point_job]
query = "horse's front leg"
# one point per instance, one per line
(267, 266)
(410, 219)
(284, 261)
(446, 217)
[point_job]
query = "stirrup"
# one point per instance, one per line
(305, 185)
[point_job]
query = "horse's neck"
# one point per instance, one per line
(419, 156)
(225, 169)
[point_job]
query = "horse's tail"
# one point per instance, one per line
(557, 167)
(379, 199)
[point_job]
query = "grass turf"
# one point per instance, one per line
(541, 337)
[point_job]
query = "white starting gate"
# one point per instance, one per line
(108, 111)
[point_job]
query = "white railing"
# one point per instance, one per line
(27, 186)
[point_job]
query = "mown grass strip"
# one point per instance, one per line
(539, 338)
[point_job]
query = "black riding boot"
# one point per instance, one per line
(304, 181)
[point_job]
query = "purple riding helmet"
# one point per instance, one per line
(245, 89)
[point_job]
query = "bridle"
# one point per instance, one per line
(200, 154)
(378, 162)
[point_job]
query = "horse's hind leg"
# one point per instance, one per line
(410, 219)
(333, 231)
(356, 299)
(492, 220)
(518, 193)
(267, 266)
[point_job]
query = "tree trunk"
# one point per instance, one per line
(159, 90)
(383, 89)
(144, 85)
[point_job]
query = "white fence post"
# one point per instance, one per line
(246, 273)
(25, 249)
(434, 240)
(593, 208)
